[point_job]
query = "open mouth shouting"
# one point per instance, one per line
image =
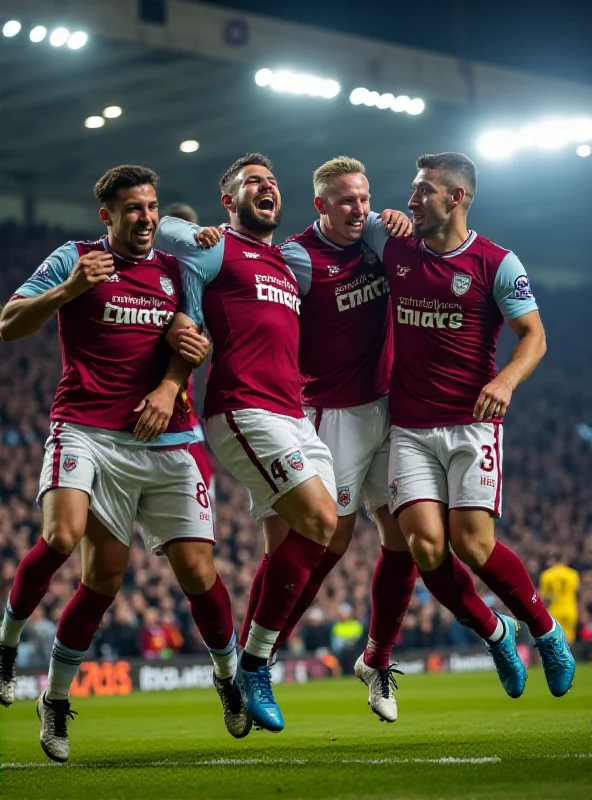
(266, 203)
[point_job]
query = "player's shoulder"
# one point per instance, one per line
(83, 246)
(307, 238)
(490, 250)
(165, 260)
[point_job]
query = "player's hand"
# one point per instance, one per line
(92, 268)
(156, 410)
(208, 237)
(494, 400)
(397, 223)
(193, 346)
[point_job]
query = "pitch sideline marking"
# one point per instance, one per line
(239, 762)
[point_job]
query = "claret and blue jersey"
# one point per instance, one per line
(448, 310)
(112, 338)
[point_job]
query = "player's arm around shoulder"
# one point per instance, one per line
(62, 277)
(391, 227)
(515, 300)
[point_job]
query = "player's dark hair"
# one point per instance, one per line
(453, 166)
(181, 211)
(251, 159)
(125, 176)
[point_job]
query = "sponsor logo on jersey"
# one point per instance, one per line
(368, 290)
(124, 315)
(429, 319)
(343, 496)
(461, 283)
(70, 462)
(402, 270)
(251, 254)
(333, 269)
(167, 285)
(370, 256)
(273, 294)
(522, 290)
(295, 461)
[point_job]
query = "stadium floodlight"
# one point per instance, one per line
(94, 122)
(385, 100)
(77, 40)
(189, 146)
(59, 37)
(584, 150)
(547, 135)
(286, 81)
(401, 103)
(371, 99)
(498, 144)
(38, 34)
(358, 96)
(415, 106)
(112, 112)
(263, 77)
(11, 28)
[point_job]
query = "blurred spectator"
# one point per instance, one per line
(160, 636)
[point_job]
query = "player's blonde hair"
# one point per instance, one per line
(324, 175)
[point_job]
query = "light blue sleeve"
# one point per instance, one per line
(511, 289)
(55, 270)
(198, 267)
(298, 259)
(375, 234)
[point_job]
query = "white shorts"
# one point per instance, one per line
(269, 453)
(460, 466)
(359, 441)
(160, 488)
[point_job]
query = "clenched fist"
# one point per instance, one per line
(92, 268)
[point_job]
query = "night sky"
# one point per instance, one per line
(545, 37)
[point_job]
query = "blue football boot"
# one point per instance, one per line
(509, 665)
(558, 663)
(258, 695)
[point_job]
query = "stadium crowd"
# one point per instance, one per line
(547, 498)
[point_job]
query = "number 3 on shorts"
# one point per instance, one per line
(488, 461)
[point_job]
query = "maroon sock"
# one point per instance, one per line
(33, 577)
(288, 571)
(452, 586)
(212, 614)
(81, 618)
(310, 591)
(392, 587)
(253, 600)
(507, 577)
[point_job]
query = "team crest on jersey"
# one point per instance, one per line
(402, 270)
(70, 462)
(461, 283)
(394, 490)
(167, 285)
(333, 269)
(295, 461)
(370, 256)
(522, 290)
(41, 271)
(343, 496)
(251, 254)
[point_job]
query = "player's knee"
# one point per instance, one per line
(321, 523)
(428, 551)
(472, 549)
(61, 535)
(198, 576)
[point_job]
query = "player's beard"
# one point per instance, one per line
(429, 227)
(139, 250)
(247, 218)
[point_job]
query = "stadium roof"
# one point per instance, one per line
(174, 92)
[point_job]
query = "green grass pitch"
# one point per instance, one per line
(458, 736)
